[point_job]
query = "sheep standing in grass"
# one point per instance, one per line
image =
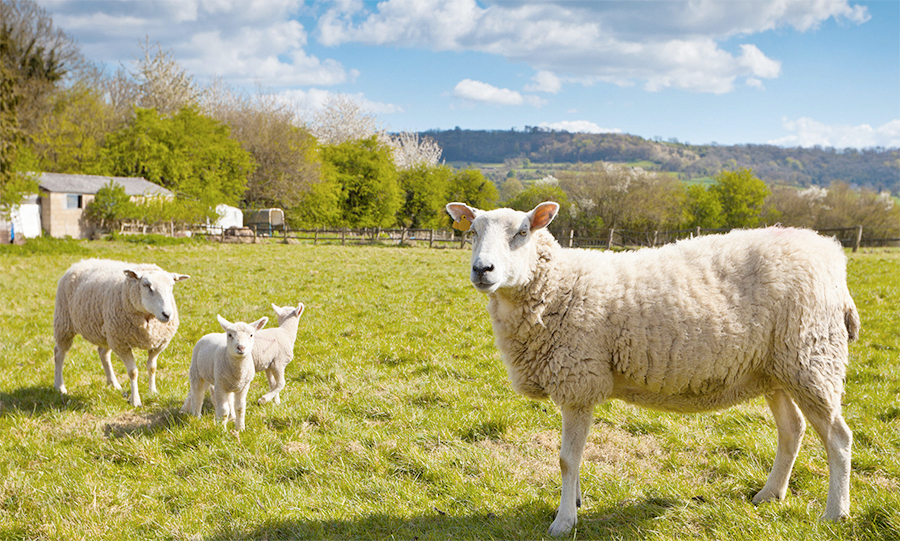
(697, 325)
(225, 361)
(274, 349)
(118, 307)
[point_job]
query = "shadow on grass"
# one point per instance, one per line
(630, 520)
(138, 423)
(39, 400)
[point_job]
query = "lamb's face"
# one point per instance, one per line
(503, 255)
(239, 336)
(156, 287)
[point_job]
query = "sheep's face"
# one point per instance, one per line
(239, 336)
(503, 255)
(156, 287)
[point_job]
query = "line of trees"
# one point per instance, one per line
(596, 197)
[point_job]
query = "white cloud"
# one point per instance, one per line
(242, 40)
(545, 81)
(309, 101)
(664, 44)
(479, 92)
(807, 132)
(577, 126)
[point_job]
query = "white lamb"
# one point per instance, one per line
(698, 325)
(225, 361)
(118, 307)
(274, 349)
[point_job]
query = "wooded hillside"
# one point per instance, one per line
(877, 168)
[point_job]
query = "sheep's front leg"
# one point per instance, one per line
(276, 384)
(576, 424)
(106, 361)
(63, 343)
(131, 368)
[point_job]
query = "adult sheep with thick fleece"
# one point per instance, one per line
(274, 349)
(224, 361)
(698, 325)
(118, 307)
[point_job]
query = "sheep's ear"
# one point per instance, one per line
(543, 214)
(132, 275)
(223, 322)
(179, 277)
(276, 308)
(300, 309)
(463, 215)
(260, 323)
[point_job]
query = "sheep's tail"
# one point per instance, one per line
(851, 319)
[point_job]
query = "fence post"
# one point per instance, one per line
(571, 237)
(316, 237)
(462, 240)
(655, 237)
(431, 238)
(858, 239)
(609, 243)
(698, 231)
(343, 236)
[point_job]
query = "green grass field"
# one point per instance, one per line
(397, 421)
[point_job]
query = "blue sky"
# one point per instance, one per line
(786, 72)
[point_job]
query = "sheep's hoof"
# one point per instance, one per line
(261, 401)
(62, 389)
(562, 526)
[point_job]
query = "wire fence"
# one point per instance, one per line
(849, 237)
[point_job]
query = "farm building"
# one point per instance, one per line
(63, 198)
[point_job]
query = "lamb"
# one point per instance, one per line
(698, 325)
(225, 361)
(274, 349)
(116, 306)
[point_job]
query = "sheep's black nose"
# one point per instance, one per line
(481, 271)
(165, 317)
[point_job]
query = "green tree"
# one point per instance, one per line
(188, 153)
(370, 194)
(110, 207)
(703, 208)
(470, 187)
(425, 194)
(741, 194)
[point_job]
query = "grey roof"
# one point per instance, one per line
(90, 184)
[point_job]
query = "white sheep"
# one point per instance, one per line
(697, 325)
(118, 307)
(274, 349)
(225, 361)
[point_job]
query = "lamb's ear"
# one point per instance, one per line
(460, 210)
(179, 277)
(223, 322)
(132, 275)
(543, 214)
(300, 309)
(260, 323)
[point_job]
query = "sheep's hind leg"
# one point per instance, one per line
(790, 425)
(826, 419)
(151, 369)
(106, 361)
(131, 369)
(276, 384)
(576, 424)
(63, 344)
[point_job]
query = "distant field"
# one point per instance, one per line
(397, 420)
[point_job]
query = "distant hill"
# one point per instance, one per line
(877, 169)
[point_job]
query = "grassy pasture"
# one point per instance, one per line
(397, 420)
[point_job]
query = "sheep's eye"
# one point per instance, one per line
(523, 232)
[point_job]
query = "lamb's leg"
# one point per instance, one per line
(576, 424)
(240, 407)
(151, 369)
(131, 368)
(276, 384)
(838, 439)
(790, 424)
(223, 405)
(193, 404)
(106, 361)
(63, 344)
